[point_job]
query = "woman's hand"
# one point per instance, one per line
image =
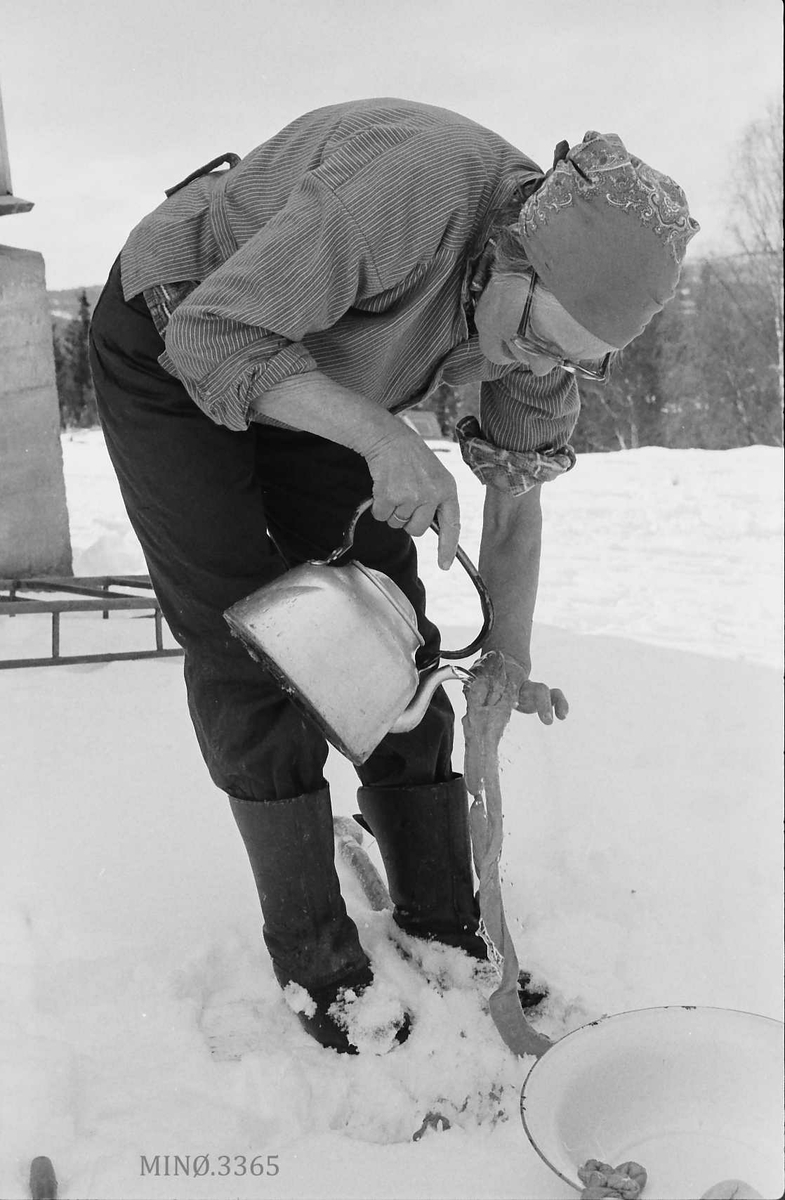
(492, 685)
(411, 488)
(533, 697)
(410, 485)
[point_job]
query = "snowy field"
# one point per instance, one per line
(642, 861)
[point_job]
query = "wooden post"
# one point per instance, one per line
(5, 166)
(9, 203)
(34, 536)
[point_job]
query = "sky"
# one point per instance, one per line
(107, 103)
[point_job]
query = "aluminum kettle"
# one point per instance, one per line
(341, 641)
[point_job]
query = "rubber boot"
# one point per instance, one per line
(311, 939)
(423, 838)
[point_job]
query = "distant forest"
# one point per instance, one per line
(706, 373)
(703, 374)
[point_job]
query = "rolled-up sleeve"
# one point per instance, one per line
(523, 436)
(240, 332)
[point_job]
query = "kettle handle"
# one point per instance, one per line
(469, 567)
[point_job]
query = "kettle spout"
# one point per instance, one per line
(412, 715)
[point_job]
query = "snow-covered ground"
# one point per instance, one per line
(642, 861)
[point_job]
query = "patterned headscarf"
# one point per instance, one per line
(607, 234)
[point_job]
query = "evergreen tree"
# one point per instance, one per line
(626, 411)
(75, 389)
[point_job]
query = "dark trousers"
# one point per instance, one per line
(219, 514)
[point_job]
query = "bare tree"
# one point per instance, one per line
(756, 211)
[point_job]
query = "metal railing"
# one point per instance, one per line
(56, 595)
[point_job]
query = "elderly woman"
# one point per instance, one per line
(253, 344)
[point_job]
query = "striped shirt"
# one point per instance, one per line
(346, 244)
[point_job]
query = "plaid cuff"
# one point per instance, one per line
(163, 298)
(514, 471)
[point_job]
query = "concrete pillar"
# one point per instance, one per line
(34, 535)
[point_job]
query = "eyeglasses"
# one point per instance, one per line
(530, 344)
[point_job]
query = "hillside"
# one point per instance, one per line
(64, 304)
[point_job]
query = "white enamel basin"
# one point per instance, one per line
(695, 1095)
